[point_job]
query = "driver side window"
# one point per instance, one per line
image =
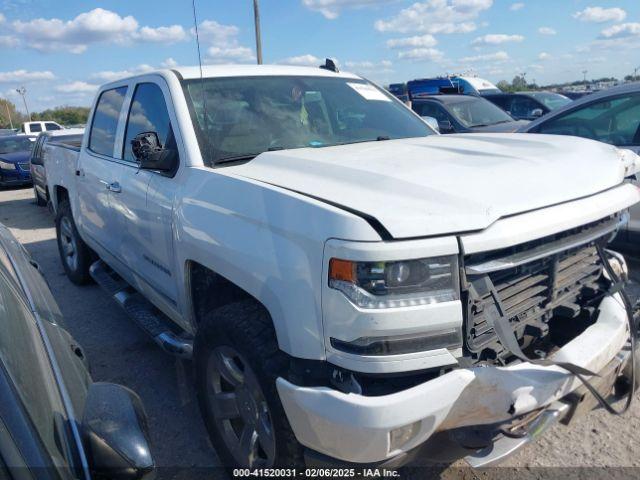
(148, 113)
(614, 121)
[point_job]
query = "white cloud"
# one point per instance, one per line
(172, 34)
(7, 41)
(95, 26)
(426, 54)
(169, 63)
(106, 76)
(546, 31)
(601, 15)
(18, 76)
(76, 87)
(496, 39)
(516, 6)
(331, 8)
(622, 30)
(307, 60)
(418, 41)
(436, 16)
(222, 43)
(383, 66)
(497, 57)
(544, 56)
(229, 54)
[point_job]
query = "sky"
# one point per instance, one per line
(60, 51)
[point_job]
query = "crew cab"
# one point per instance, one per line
(333, 266)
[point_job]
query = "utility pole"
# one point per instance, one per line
(23, 92)
(584, 73)
(256, 19)
(9, 115)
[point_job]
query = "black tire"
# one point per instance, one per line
(76, 264)
(245, 327)
(41, 202)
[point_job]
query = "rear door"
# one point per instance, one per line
(145, 205)
(99, 172)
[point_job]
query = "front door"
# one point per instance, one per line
(98, 174)
(145, 206)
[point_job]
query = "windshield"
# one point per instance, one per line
(15, 144)
(550, 100)
(478, 112)
(243, 117)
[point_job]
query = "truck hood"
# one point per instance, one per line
(444, 184)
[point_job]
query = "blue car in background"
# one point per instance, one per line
(15, 152)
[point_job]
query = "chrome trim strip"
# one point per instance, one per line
(551, 248)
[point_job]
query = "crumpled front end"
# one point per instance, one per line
(360, 429)
(541, 274)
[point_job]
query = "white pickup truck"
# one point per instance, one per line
(337, 270)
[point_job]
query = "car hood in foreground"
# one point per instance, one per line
(506, 127)
(16, 157)
(444, 183)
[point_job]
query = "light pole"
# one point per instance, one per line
(256, 19)
(584, 73)
(23, 92)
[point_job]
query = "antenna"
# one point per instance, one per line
(204, 97)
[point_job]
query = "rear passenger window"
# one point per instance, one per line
(51, 126)
(148, 113)
(105, 121)
(35, 127)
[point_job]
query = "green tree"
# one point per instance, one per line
(9, 115)
(64, 115)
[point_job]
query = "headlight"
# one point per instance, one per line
(7, 166)
(376, 285)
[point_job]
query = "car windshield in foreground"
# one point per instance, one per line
(478, 112)
(15, 144)
(237, 118)
(551, 100)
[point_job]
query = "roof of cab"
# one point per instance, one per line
(209, 71)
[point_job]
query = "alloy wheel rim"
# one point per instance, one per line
(240, 410)
(68, 244)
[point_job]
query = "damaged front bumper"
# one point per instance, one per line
(391, 429)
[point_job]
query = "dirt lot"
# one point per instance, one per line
(594, 445)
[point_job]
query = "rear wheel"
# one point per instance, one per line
(75, 255)
(41, 202)
(237, 361)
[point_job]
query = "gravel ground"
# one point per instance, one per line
(597, 445)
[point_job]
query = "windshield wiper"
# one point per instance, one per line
(237, 158)
(245, 157)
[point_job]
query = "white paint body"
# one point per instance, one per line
(264, 226)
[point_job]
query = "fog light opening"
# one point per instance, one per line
(399, 437)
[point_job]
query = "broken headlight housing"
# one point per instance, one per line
(394, 284)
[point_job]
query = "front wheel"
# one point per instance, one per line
(75, 255)
(237, 361)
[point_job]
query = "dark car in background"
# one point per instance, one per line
(15, 152)
(55, 423)
(610, 116)
(465, 114)
(528, 105)
(68, 138)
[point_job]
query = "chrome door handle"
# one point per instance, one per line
(112, 187)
